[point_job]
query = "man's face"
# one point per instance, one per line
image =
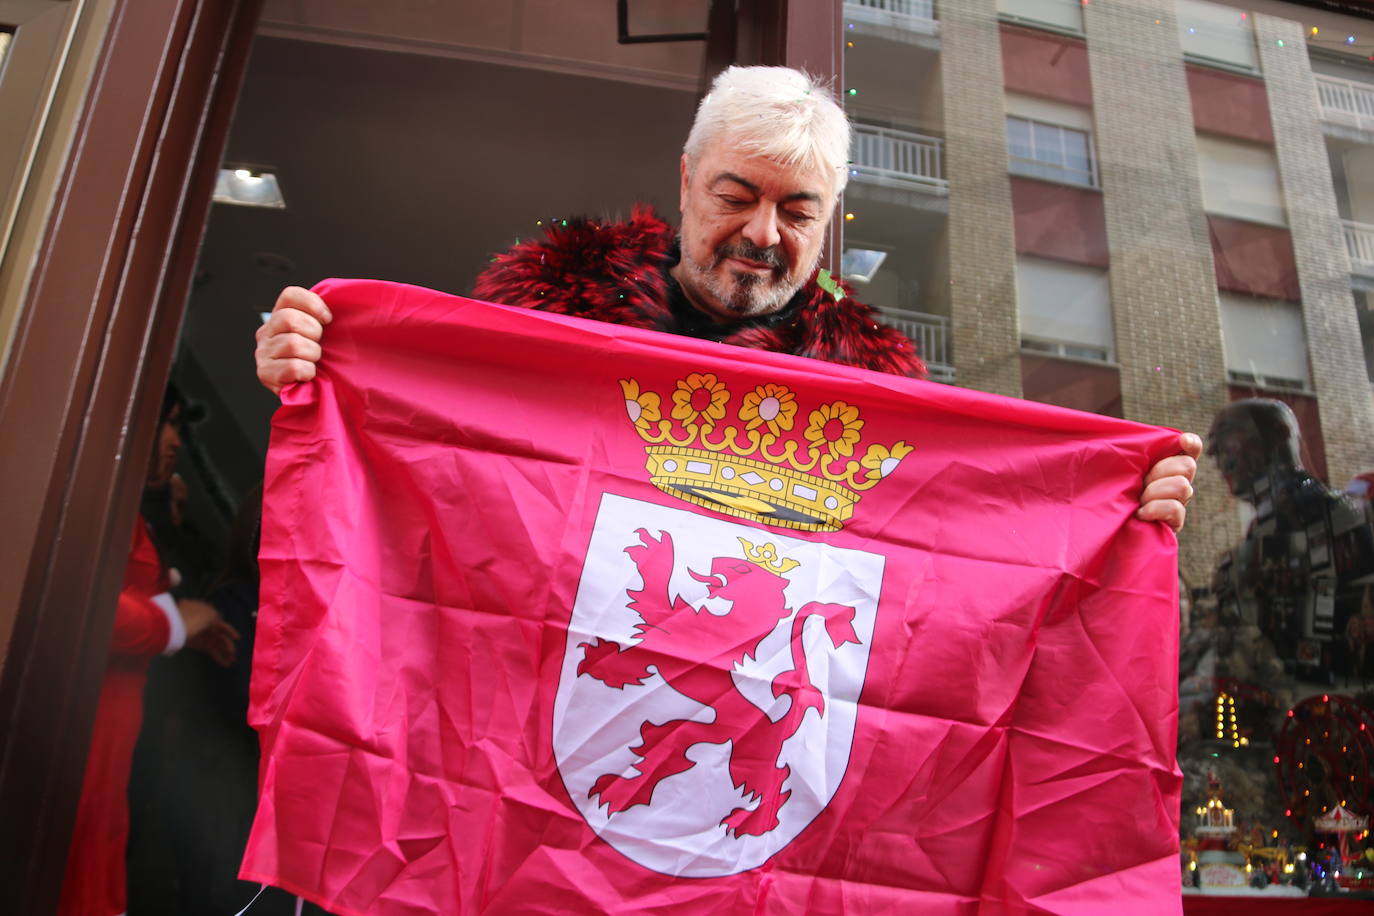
(751, 231)
(1240, 458)
(165, 450)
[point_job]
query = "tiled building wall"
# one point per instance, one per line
(1333, 333)
(1168, 327)
(982, 254)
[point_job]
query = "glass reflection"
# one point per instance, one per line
(1279, 767)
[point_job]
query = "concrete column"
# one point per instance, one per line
(1162, 281)
(1333, 332)
(982, 247)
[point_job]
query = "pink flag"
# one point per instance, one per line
(563, 617)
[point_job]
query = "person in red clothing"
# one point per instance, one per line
(148, 621)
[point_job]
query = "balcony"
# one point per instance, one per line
(897, 158)
(930, 333)
(1359, 242)
(1346, 102)
(916, 16)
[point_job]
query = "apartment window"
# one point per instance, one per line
(1050, 140)
(1065, 309)
(1240, 180)
(1264, 341)
(1062, 14)
(1215, 34)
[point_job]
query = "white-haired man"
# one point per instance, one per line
(765, 161)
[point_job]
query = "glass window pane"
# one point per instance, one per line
(1226, 258)
(1019, 138)
(1048, 145)
(1076, 152)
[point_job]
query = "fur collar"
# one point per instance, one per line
(618, 272)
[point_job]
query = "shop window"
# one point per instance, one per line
(1050, 140)
(1264, 342)
(1218, 35)
(1062, 14)
(1240, 180)
(1065, 309)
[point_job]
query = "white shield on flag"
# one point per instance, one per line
(710, 683)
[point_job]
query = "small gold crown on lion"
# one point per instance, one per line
(751, 459)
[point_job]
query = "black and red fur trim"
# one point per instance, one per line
(617, 272)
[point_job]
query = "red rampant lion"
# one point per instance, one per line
(696, 652)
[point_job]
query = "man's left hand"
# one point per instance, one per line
(1169, 485)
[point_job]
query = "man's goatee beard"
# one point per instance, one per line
(741, 295)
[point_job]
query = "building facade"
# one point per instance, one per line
(1134, 209)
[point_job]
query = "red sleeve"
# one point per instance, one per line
(141, 627)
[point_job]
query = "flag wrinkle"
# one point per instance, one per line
(1006, 687)
(1126, 895)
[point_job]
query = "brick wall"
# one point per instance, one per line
(982, 255)
(1333, 333)
(1168, 327)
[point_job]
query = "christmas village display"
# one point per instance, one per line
(1278, 779)
(1321, 770)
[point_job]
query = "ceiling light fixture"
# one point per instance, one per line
(858, 265)
(247, 187)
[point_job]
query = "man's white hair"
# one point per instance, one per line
(777, 112)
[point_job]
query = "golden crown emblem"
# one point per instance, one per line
(766, 557)
(754, 461)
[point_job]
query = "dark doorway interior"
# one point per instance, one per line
(413, 167)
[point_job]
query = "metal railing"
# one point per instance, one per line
(897, 154)
(930, 333)
(1359, 242)
(915, 9)
(1346, 101)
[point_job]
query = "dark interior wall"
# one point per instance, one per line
(410, 168)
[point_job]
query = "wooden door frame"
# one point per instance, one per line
(82, 389)
(94, 340)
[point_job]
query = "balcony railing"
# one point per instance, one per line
(1359, 241)
(899, 156)
(1346, 101)
(930, 333)
(873, 10)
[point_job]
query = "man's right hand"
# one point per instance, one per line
(289, 342)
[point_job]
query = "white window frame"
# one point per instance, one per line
(1285, 366)
(1049, 326)
(1051, 171)
(1059, 349)
(1241, 180)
